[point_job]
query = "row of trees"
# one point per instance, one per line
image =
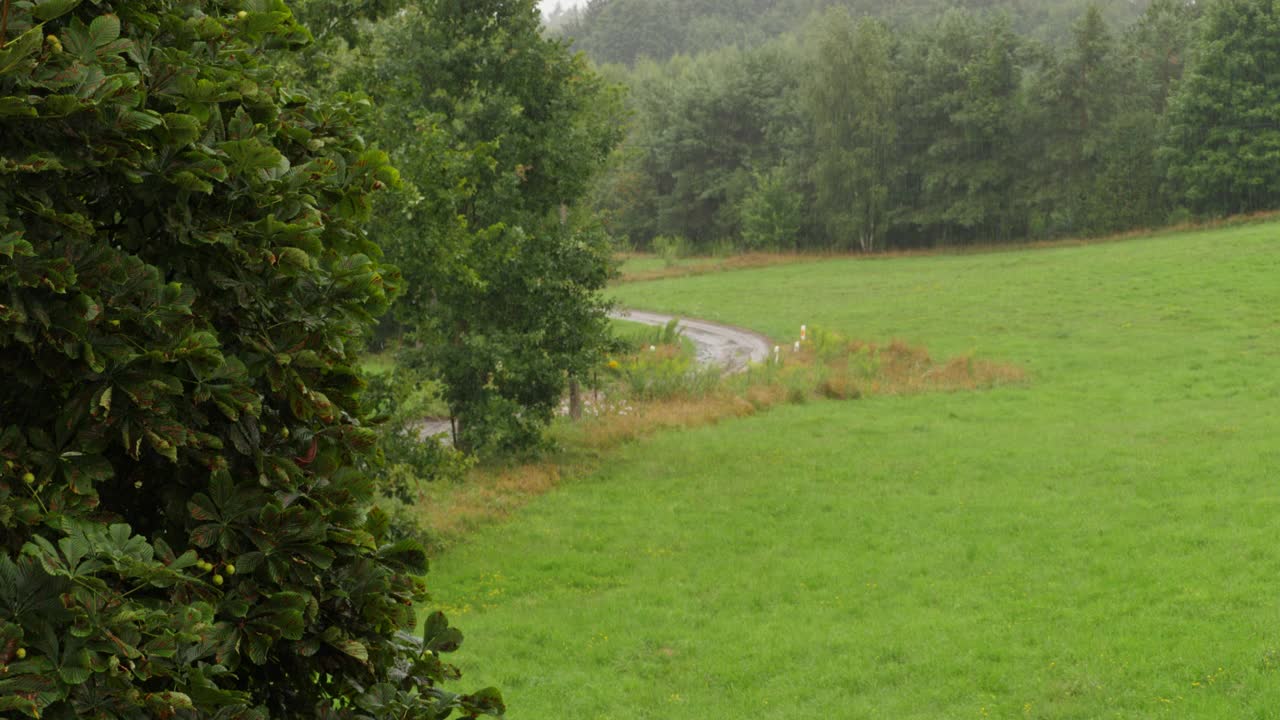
(856, 135)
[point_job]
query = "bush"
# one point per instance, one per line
(772, 213)
(723, 248)
(186, 527)
(671, 248)
(401, 399)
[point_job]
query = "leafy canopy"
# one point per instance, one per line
(499, 132)
(185, 517)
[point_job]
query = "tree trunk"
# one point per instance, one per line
(575, 399)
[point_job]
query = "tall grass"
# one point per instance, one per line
(635, 337)
(665, 373)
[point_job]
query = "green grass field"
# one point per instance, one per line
(1102, 542)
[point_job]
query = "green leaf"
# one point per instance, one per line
(484, 702)
(12, 245)
(18, 699)
(437, 636)
(89, 308)
(74, 548)
(295, 258)
(380, 701)
(164, 646)
(77, 41)
(34, 163)
(138, 119)
(183, 129)
(49, 9)
(104, 400)
(212, 695)
(257, 646)
(75, 667)
(26, 684)
(407, 553)
(104, 30)
(254, 156)
(354, 648)
(16, 107)
(206, 535)
(20, 48)
(84, 472)
(62, 105)
(164, 703)
(28, 594)
(202, 507)
(185, 560)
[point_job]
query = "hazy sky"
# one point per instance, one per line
(549, 5)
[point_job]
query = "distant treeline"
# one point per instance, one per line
(854, 133)
(625, 31)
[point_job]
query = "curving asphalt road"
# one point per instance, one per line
(731, 348)
(724, 345)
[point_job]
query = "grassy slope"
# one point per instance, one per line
(1101, 543)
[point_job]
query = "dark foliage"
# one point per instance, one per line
(185, 516)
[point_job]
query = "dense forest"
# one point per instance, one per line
(937, 127)
(625, 31)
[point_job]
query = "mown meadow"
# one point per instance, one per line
(1101, 540)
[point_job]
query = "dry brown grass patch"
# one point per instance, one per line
(832, 368)
(609, 431)
(847, 370)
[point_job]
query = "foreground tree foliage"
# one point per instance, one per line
(185, 521)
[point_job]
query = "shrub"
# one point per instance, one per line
(723, 248)
(186, 527)
(772, 213)
(402, 399)
(671, 248)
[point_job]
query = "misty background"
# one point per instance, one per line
(547, 6)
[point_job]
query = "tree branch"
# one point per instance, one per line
(4, 25)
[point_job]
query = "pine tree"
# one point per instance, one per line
(1223, 146)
